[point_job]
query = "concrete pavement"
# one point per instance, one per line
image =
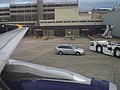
(91, 64)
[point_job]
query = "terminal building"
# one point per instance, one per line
(52, 19)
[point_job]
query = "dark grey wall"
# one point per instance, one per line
(113, 18)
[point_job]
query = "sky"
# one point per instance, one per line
(83, 4)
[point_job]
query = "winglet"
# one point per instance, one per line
(19, 26)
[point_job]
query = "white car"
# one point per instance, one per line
(69, 49)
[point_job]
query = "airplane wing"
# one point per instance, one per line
(8, 43)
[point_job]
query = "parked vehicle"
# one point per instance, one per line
(106, 47)
(69, 49)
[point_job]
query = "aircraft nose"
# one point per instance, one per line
(112, 86)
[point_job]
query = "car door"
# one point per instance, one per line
(65, 49)
(69, 50)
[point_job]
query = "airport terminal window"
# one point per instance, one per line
(77, 21)
(23, 11)
(92, 21)
(74, 4)
(58, 21)
(43, 22)
(89, 21)
(20, 11)
(44, 5)
(67, 21)
(34, 10)
(20, 6)
(4, 10)
(83, 21)
(7, 10)
(50, 10)
(50, 5)
(16, 11)
(12, 6)
(58, 5)
(66, 4)
(27, 11)
(74, 21)
(51, 22)
(6, 14)
(98, 21)
(27, 6)
(46, 10)
(13, 11)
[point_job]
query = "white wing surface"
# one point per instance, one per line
(8, 43)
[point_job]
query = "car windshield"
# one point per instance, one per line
(74, 47)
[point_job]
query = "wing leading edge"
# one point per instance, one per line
(8, 43)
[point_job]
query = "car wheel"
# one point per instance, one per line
(117, 53)
(77, 53)
(99, 49)
(60, 53)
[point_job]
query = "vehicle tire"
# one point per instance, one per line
(117, 53)
(99, 49)
(60, 53)
(77, 53)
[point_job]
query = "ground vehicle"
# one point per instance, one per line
(69, 49)
(106, 47)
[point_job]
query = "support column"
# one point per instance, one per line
(40, 10)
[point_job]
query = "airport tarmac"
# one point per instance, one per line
(91, 64)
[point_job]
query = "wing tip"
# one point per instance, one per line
(19, 26)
